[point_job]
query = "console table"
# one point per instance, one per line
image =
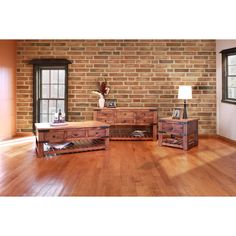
(129, 123)
(78, 136)
(179, 133)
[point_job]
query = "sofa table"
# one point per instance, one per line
(129, 123)
(71, 137)
(179, 133)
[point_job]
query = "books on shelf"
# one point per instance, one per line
(138, 133)
(61, 146)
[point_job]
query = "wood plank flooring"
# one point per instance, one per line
(128, 168)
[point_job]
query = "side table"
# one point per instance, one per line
(179, 133)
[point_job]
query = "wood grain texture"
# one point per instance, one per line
(129, 117)
(179, 133)
(84, 135)
(71, 125)
(134, 168)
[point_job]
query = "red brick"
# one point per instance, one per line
(139, 73)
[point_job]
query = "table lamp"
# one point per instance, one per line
(185, 92)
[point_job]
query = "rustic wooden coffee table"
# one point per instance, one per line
(71, 137)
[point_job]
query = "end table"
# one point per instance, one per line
(179, 133)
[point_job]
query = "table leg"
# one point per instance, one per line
(107, 139)
(39, 149)
(154, 131)
(185, 142)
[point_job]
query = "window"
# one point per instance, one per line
(50, 88)
(229, 75)
(52, 93)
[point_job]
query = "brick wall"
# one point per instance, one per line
(139, 73)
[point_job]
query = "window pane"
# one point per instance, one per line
(44, 106)
(51, 117)
(232, 93)
(232, 82)
(61, 91)
(45, 91)
(54, 91)
(52, 106)
(232, 87)
(45, 76)
(60, 105)
(61, 76)
(232, 70)
(44, 118)
(232, 60)
(54, 76)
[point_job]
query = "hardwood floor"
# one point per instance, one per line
(128, 168)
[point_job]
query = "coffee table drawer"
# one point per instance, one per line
(54, 136)
(73, 134)
(96, 132)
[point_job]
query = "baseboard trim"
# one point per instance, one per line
(207, 136)
(228, 140)
(23, 134)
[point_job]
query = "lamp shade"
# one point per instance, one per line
(185, 92)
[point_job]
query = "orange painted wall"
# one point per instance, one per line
(7, 89)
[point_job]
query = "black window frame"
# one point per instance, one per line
(225, 53)
(38, 66)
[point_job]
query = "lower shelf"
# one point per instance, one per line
(131, 133)
(120, 138)
(75, 146)
(172, 145)
(178, 141)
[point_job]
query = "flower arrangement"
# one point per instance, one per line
(103, 90)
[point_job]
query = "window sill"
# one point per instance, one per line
(229, 101)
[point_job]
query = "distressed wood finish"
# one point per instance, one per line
(125, 169)
(179, 133)
(95, 135)
(129, 117)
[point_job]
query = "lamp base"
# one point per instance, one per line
(185, 114)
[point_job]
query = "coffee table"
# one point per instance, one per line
(71, 137)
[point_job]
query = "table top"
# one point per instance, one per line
(71, 125)
(178, 120)
(126, 108)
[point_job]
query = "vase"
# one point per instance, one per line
(101, 102)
